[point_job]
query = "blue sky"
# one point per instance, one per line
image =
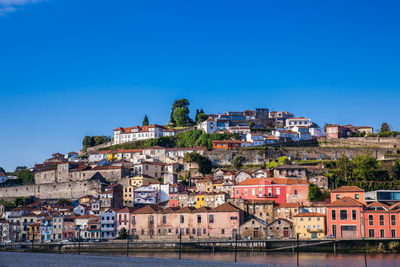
(75, 68)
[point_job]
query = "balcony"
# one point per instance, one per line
(314, 230)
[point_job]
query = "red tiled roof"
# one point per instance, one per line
(345, 202)
(347, 188)
(226, 207)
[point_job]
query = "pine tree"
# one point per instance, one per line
(146, 121)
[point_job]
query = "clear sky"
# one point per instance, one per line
(70, 68)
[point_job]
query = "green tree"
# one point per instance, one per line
(237, 161)
(395, 171)
(385, 127)
(19, 201)
(145, 120)
(63, 202)
(180, 117)
(314, 193)
(252, 124)
(204, 163)
(182, 114)
(25, 176)
(364, 167)
(123, 234)
(201, 117)
(344, 167)
(88, 141)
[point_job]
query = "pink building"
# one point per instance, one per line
(124, 219)
(280, 190)
(152, 222)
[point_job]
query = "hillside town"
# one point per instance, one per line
(255, 174)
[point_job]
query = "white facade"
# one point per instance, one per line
(292, 122)
(130, 134)
(208, 126)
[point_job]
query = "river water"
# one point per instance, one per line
(280, 258)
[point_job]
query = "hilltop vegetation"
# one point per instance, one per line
(192, 138)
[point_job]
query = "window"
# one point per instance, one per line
(133, 220)
(260, 191)
(370, 219)
(382, 233)
(333, 214)
(245, 192)
(253, 191)
(222, 231)
(337, 196)
(211, 218)
(343, 215)
(295, 192)
(393, 219)
(234, 218)
(381, 220)
(198, 218)
(151, 218)
(393, 233)
(269, 192)
(371, 233)
(164, 219)
(354, 215)
(182, 219)
(278, 191)
(357, 196)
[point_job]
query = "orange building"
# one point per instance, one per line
(353, 192)
(229, 144)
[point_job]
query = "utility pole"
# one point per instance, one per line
(297, 249)
(236, 243)
(180, 244)
(127, 246)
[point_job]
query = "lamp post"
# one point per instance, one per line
(79, 239)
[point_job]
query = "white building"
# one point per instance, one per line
(255, 139)
(130, 134)
(301, 121)
(208, 126)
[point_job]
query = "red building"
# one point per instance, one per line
(280, 190)
(69, 227)
(381, 221)
(344, 217)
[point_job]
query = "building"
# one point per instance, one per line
(335, 131)
(344, 218)
(69, 227)
(353, 192)
(229, 144)
(144, 195)
(310, 225)
(108, 224)
(46, 229)
(131, 134)
(296, 122)
(380, 221)
(391, 196)
(280, 228)
(152, 222)
(280, 190)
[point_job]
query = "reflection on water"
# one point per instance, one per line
(281, 258)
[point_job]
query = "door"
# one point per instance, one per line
(285, 233)
(313, 235)
(349, 231)
(255, 233)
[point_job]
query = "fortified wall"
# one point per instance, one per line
(52, 191)
(224, 157)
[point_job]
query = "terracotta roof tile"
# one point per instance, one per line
(347, 188)
(345, 202)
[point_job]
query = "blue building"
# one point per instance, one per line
(46, 229)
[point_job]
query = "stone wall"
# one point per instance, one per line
(224, 157)
(52, 191)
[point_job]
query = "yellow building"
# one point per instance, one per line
(310, 225)
(85, 199)
(139, 180)
(34, 230)
(200, 200)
